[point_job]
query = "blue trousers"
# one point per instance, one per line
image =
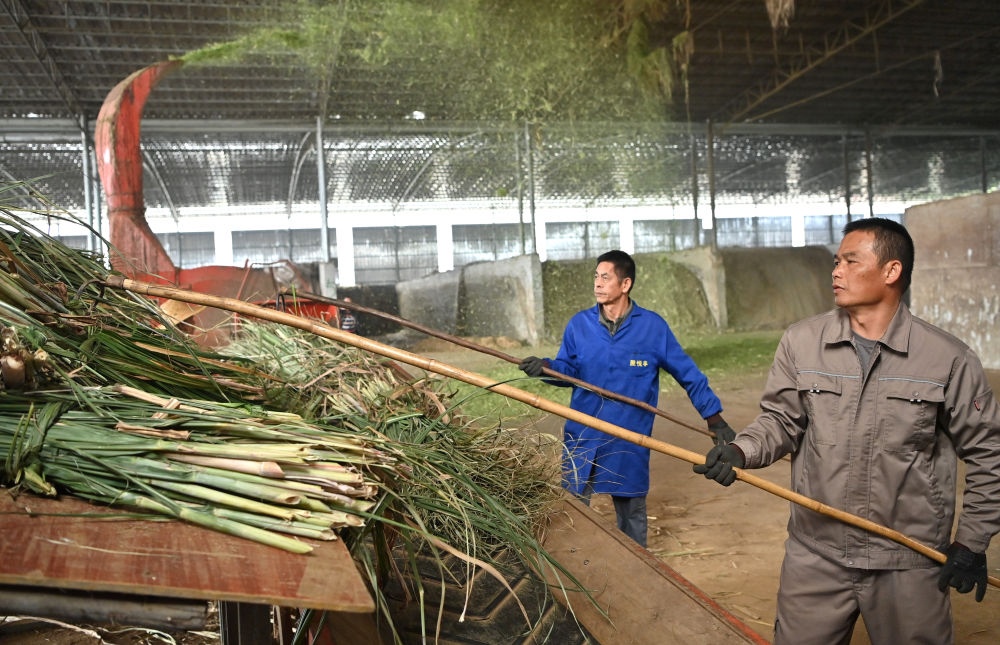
(630, 513)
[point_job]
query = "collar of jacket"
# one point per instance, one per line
(614, 325)
(896, 337)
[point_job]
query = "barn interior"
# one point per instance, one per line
(394, 151)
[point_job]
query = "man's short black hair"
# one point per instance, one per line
(892, 242)
(624, 264)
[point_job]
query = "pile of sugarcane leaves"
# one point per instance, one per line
(278, 437)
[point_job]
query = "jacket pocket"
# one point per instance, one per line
(641, 365)
(909, 419)
(822, 396)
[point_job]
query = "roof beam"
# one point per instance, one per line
(19, 14)
(955, 93)
(847, 34)
(14, 131)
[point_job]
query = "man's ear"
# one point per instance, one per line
(627, 285)
(893, 271)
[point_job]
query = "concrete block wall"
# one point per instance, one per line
(731, 288)
(707, 265)
(957, 269)
(770, 288)
(502, 298)
(431, 301)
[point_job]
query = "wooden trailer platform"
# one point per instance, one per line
(68, 553)
(71, 556)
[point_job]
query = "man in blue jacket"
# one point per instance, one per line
(619, 346)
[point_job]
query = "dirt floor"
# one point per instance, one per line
(727, 541)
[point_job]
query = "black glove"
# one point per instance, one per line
(721, 432)
(533, 366)
(964, 570)
(719, 464)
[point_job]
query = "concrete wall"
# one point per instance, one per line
(957, 269)
(696, 291)
(771, 288)
(669, 287)
(761, 288)
(431, 301)
(502, 298)
(707, 265)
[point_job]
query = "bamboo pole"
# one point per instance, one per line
(468, 344)
(326, 331)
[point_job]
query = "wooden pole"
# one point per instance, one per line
(468, 344)
(431, 365)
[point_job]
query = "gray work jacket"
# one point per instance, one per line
(881, 445)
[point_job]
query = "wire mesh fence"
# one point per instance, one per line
(400, 204)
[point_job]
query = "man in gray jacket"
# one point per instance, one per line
(875, 407)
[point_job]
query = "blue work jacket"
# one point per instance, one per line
(629, 363)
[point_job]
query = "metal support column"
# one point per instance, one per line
(520, 193)
(88, 187)
(868, 173)
(530, 151)
(847, 181)
(984, 182)
(324, 228)
(710, 151)
(694, 190)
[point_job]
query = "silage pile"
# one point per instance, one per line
(279, 437)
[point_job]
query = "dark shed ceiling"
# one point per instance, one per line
(858, 62)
